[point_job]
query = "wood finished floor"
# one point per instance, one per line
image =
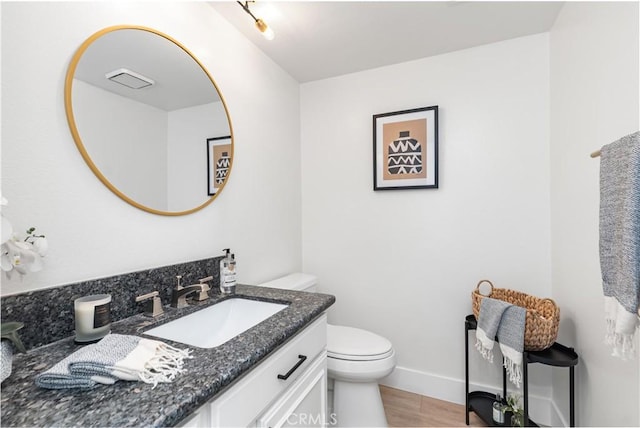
(405, 409)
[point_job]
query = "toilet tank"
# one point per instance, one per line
(294, 281)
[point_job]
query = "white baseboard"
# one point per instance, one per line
(541, 409)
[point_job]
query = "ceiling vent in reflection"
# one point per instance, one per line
(129, 78)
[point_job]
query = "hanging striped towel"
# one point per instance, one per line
(505, 321)
(620, 241)
(116, 357)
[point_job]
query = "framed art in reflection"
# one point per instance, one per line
(218, 162)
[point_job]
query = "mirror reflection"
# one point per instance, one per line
(143, 112)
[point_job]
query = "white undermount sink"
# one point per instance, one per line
(216, 324)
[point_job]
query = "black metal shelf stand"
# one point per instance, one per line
(481, 402)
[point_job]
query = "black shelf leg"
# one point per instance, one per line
(504, 382)
(572, 416)
(466, 369)
(525, 388)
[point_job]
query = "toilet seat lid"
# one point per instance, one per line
(349, 343)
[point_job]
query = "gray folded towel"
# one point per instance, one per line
(116, 357)
(505, 321)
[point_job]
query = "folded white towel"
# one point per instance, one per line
(116, 357)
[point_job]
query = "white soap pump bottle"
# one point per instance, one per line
(230, 280)
(223, 260)
(228, 274)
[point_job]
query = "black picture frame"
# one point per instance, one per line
(405, 149)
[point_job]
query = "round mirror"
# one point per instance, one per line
(149, 120)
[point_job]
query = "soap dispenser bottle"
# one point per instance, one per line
(223, 260)
(228, 274)
(498, 412)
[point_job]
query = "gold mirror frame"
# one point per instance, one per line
(78, 141)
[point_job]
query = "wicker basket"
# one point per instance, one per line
(543, 315)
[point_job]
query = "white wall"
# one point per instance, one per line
(188, 131)
(91, 232)
(594, 101)
(126, 140)
(403, 263)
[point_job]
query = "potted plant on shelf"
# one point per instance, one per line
(514, 409)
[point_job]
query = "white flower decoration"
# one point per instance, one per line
(21, 255)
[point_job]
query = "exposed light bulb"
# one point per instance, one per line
(264, 29)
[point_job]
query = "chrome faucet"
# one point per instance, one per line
(180, 293)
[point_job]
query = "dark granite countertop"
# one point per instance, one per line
(136, 403)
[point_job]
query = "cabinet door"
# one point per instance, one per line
(304, 404)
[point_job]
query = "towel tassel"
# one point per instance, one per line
(621, 343)
(165, 365)
(514, 371)
(487, 353)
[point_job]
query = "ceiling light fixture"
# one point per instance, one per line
(129, 78)
(260, 24)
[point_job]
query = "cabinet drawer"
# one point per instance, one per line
(248, 398)
(302, 405)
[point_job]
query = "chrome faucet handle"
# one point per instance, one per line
(178, 279)
(154, 304)
(205, 287)
(203, 294)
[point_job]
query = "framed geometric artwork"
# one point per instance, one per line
(218, 162)
(405, 149)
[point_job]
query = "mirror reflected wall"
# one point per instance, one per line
(141, 108)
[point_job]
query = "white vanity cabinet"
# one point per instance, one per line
(289, 388)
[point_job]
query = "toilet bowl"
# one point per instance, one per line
(356, 360)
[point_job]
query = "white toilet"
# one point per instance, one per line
(356, 360)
